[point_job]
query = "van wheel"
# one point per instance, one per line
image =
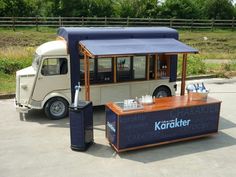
(56, 108)
(162, 91)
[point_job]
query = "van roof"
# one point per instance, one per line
(82, 33)
(54, 48)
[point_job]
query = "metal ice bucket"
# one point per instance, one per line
(196, 96)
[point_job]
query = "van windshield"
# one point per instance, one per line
(35, 63)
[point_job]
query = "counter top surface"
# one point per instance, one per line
(163, 104)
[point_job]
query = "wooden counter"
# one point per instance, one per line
(168, 120)
(163, 104)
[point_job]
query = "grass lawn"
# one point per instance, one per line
(17, 49)
(217, 44)
(7, 83)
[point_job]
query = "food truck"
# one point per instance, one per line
(112, 65)
(58, 66)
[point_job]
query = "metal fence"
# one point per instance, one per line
(37, 22)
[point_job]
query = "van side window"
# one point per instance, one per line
(104, 70)
(91, 69)
(54, 66)
(124, 69)
(139, 68)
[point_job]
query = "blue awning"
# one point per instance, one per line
(133, 46)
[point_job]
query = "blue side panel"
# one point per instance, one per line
(74, 65)
(161, 126)
(173, 68)
(111, 126)
(77, 129)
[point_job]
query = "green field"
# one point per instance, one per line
(17, 49)
(218, 44)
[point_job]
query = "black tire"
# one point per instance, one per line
(162, 91)
(56, 108)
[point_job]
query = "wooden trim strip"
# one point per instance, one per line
(184, 70)
(85, 76)
(114, 147)
(85, 51)
(115, 69)
(118, 132)
(155, 67)
(88, 80)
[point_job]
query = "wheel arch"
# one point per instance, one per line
(54, 95)
(162, 86)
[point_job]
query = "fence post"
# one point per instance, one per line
(82, 20)
(59, 21)
(105, 20)
(36, 23)
(13, 23)
(171, 22)
(212, 23)
(127, 22)
(149, 21)
(233, 23)
(191, 24)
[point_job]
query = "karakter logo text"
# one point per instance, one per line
(111, 127)
(169, 124)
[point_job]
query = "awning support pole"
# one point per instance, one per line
(86, 78)
(184, 69)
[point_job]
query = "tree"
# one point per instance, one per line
(136, 8)
(179, 9)
(125, 8)
(219, 9)
(21, 7)
(234, 10)
(2, 7)
(102, 8)
(86, 8)
(152, 8)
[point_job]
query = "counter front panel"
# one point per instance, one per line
(137, 130)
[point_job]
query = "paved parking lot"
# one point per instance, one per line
(39, 147)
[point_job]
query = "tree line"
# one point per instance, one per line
(187, 9)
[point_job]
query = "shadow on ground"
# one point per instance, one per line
(39, 117)
(149, 154)
(180, 149)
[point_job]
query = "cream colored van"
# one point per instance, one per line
(48, 85)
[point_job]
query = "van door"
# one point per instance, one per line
(53, 75)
